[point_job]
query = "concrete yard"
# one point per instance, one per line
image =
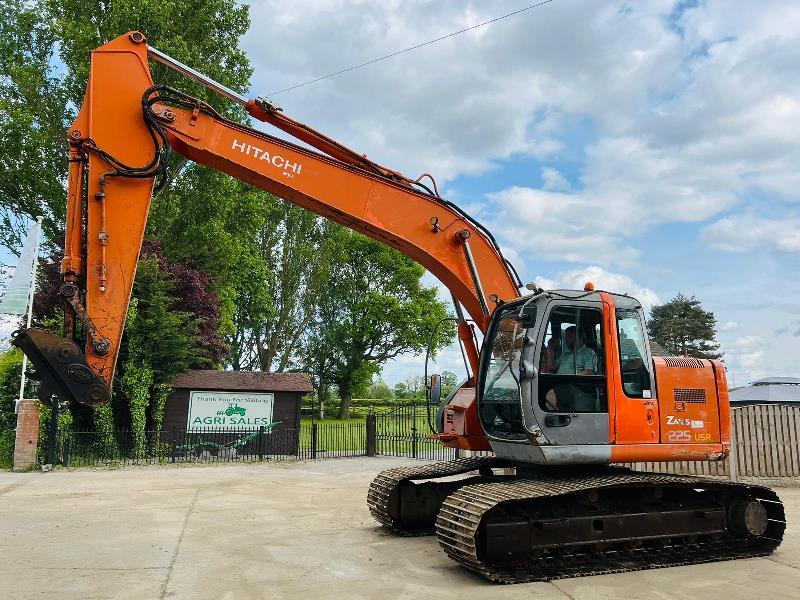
(285, 530)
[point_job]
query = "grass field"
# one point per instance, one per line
(395, 436)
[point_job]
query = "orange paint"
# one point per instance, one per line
(666, 452)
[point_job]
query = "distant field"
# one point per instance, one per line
(362, 407)
(395, 435)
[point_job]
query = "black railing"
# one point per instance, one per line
(402, 431)
(120, 448)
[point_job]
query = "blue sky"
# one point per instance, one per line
(649, 146)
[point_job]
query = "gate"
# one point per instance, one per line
(403, 431)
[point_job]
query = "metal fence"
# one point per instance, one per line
(121, 448)
(404, 431)
(401, 431)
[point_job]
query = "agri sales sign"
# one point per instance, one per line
(229, 410)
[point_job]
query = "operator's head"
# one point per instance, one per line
(569, 335)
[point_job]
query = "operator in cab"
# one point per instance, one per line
(577, 359)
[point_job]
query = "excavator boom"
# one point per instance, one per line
(119, 145)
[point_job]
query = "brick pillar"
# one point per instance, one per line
(27, 435)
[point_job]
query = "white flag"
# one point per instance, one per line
(15, 301)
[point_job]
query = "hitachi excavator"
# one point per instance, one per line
(561, 390)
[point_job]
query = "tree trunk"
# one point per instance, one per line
(322, 396)
(344, 409)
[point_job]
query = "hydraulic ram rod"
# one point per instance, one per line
(172, 63)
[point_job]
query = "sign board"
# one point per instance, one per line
(229, 410)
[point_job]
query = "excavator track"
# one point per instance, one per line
(550, 524)
(403, 500)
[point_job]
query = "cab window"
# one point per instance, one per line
(571, 364)
(632, 356)
(500, 407)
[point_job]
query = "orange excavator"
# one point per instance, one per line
(562, 387)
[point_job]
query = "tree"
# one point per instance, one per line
(415, 386)
(374, 308)
(206, 221)
(684, 328)
(293, 245)
(39, 90)
(34, 112)
(378, 390)
(171, 327)
(10, 372)
(449, 382)
(400, 390)
(217, 231)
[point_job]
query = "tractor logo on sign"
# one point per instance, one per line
(233, 409)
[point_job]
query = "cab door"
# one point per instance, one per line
(568, 395)
(632, 390)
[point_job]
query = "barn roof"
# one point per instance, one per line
(243, 381)
(780, 390)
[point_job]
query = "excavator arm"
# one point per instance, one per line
(119, 147)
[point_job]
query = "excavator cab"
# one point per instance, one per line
(567, 376)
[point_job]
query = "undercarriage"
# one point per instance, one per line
(516, 523)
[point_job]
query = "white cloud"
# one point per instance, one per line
(729, 326)
(460, 105)
(748, 342)
(553, 180)
(746, 232)
(746, 357)
(687, 116)
(603, 280)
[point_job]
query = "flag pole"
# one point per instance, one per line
(31, 292)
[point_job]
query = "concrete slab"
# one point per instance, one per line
(285, 530)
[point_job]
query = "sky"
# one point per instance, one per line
(650, 147)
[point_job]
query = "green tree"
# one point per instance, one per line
(684, 328)
(379, 390)
(34, 111)
(10, 372)
(400, 390)
(162, 340)
(294, 246)
(217, 231)
(38, 99)
(204, 219)
(376, 309)
(415, 386)
(449, 382)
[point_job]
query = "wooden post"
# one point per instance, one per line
(313, 440)
(371, 430)
(733, 459)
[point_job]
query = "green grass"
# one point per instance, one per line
(395, 436)
(332, 421)
(335, 435)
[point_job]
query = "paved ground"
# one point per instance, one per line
(292, 530)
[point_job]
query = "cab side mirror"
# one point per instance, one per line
(435, 390)
(528, 316)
